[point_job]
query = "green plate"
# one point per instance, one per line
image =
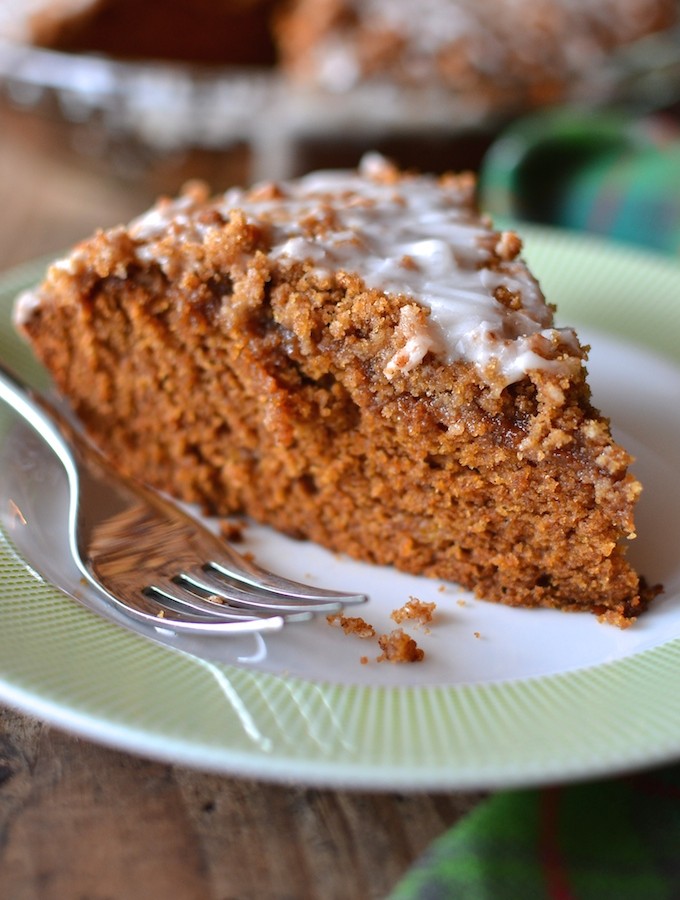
(538, 696)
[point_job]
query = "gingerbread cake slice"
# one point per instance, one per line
(357, 358)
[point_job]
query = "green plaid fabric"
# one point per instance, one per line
(617, 839)
(596, 173)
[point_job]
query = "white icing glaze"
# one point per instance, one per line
(24, 306)
(419, 238)
(418, 343)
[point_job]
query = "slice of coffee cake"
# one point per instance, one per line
(357, 358)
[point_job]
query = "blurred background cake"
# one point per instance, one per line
(522, 51)
(509, 54)
(236, 90)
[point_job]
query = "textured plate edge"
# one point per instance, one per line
(369, 777)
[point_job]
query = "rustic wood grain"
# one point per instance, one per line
(78, 820)
(82, 822)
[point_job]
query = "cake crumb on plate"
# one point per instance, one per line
(414, 610)
(398, 647)
(352, 625)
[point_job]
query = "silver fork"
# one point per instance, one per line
(150, 559)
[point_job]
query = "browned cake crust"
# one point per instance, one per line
(235, 32)
(220, 375)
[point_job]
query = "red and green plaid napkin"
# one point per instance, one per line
(609, 840)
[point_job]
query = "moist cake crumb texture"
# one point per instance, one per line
(355, 358)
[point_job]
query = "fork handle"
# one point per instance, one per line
(42, 415)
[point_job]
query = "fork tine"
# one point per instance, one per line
(237, 567)
(182, 594)
(159, 611)
(252, 597)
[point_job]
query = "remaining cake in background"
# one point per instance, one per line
(357, 358)
(515, 54)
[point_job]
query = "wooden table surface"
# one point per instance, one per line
(78, 820)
